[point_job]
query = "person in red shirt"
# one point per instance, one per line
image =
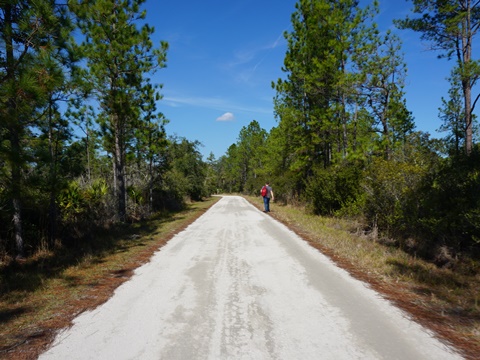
(267, 194)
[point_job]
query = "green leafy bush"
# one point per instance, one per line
(449, 206)
(83, 207)
(333, 189)
(388, 187)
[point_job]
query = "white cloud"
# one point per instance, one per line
(228, 116)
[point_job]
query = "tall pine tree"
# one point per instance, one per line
(33, 35)
(314, 101)
(383, 74)
(119, 55)
(451, 26)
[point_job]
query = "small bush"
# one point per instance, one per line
(82, 207)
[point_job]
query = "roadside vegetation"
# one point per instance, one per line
(45, 292)
(445, 300)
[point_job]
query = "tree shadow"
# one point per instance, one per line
(441, 284)
(31, 274)
(7, 314)
(426, 276)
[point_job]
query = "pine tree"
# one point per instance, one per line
(119, 55)
(151, 142)
(250, 145)
(383, 74)
(321, 90)
(451, 26)
(451, 115)
(34, 35)
(303, 99)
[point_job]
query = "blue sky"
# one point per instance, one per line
(224, 55)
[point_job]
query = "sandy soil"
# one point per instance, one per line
(236, 284)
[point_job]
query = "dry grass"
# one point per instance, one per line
(43, 294)
(444, 300)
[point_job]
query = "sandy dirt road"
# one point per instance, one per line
(236, 284)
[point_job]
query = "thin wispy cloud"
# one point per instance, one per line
(206, 102)
(247, 56)
(214, 103)
(278, 41)
(241, 57)
(228, 116)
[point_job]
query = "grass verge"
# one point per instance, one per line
(446, 301)
(43, 294)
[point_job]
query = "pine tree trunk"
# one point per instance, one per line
(119, 170)
(386, 138)
(52, 211)
(16, 189)
(468, 120)
(13, 128)
(150, 185)
(17, 223)
(344, 128)
(466, 83)
(89, 170)
(354, 135)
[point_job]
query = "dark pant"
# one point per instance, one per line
(266, 203)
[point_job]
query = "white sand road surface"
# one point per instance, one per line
(236, 284)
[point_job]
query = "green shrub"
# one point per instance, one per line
(388, 187)
(449, 206)
(82, 207)
(334, 189)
